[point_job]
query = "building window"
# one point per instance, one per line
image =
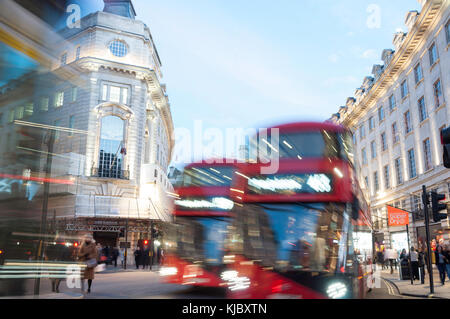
(362, 132)
(111, 146)
(432, 52)
(71, 124)
(392, 103)
(381, 114)
(59, 99)
(354, 139)
(44, 103)
(157, 153)
(29, 109)
(11, 116)
(398, 171)
(19, 112)
(64, 59)
(77, 55)
(376, 183)
(437, 89)
(371, 123)
(412, 164)
(118, 48)
(418, 75)
(416, 203)
(115, 94)
(404, 89)
(366, 181)
(408, 126)
(364, 156)
(427, 154)
(395, 136)
(447, 31)
(383, 142)
(387, 181)
(74, 93)
(422, 109)
(373, 149)
(104, 92)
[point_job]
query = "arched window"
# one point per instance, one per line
(112, 147)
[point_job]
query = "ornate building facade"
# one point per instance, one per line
(396, 117)
(112, 140)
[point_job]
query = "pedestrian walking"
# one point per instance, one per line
(403, 255)
(146, 258)
(422, 261)
(389, 256)
(122, 256)
(88, 254)
(137, 257)
(441, 261)
(395, 257)
(115, 255)
(447, 266)
(414, 263)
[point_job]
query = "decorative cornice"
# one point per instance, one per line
(398, 62)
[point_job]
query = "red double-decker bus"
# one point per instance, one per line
(201, 217)
(293, 234)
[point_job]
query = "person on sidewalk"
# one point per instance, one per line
(414, 263)
(137, 257)
(403, 255)
(441, 262)
(88, 253)
(115, 255)
(395, 257)
(447, 254)
(422, 266)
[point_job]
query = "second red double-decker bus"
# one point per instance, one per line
(201, 217)
(293, 234)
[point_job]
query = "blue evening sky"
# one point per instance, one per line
(258, 62)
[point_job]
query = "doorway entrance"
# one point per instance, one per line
(106, 239)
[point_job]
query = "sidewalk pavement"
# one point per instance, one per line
(132, 268)
(418, 289)
(63, 295)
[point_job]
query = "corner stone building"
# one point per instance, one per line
(396, 117)
(112, 124)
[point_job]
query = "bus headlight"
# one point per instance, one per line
(337, 290)
(168, 271)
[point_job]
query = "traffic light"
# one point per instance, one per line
(436, 207)
(145, 242)
(445, 140)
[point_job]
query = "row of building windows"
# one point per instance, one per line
(412, 171)
(63, 59)
(422, 109)
(29, 108)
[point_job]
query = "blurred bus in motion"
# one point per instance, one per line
(293, 235)
(201, 217)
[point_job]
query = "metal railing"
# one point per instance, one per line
(116, 174)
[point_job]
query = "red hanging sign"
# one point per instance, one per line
(397, 217)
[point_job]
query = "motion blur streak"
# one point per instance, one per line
(21, 270)
(38, 179)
